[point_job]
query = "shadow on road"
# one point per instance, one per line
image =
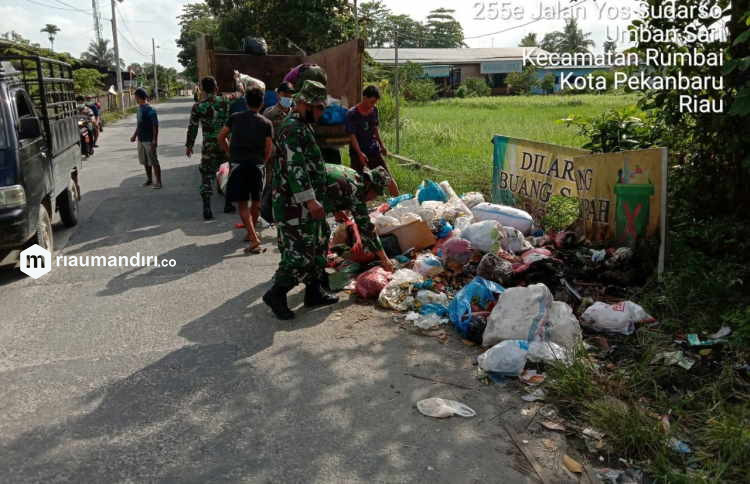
(224, 409)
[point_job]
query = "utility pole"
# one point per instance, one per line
(396, 92)
(97, 20)
(117, 56)
(156, 81)
(356, 20)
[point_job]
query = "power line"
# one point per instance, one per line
(132, 43)
(87, 12)
(523, 25)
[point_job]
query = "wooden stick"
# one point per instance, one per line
(537, 468)
(434, 380)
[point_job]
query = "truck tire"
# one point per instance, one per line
(44, 237)
(67, 203)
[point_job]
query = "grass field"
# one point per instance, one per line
(454, 135)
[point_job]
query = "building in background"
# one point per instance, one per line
(449, 67)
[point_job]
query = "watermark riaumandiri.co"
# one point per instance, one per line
(37, 261)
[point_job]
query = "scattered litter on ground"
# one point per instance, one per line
(534, 396)
(441, 408)
(550, 425)
(532, 377)
(674, 358)
(572, 465)
(679, 446)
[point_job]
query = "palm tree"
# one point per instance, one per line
(610, 46)
(51, 30)
(101, 55)
(571, 39)
(529, 41)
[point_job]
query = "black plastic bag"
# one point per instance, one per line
(255, 46)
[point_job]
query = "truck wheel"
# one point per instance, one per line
(44, 237)
(67, 203)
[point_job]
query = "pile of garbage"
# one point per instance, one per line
(488, 271)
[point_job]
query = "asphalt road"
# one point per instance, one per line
(181, 374)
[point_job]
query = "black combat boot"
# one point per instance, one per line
(316, 296)
(207, 213)
(325, 281)
(275, 298)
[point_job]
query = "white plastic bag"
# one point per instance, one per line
(506, 358)
(431, 211)
(485, 236)
(409, 218)
(441, 408)
(514, 241)
(472, 199)
(520, 314)
(615, 318)
(428, 265)
(425, 296)
(386, 223)
(548, 352)
(397, 294)
(563, 327)
(507, 216)
(462, 223)
(426, 321)
(455, 206)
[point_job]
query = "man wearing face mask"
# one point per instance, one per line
(299, 189)
(281, 109)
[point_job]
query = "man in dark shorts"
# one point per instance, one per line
(250, 148)
(366, 148)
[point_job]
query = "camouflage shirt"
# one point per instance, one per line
(299, 173)
(276, 115)
(211, 114)
(346, 191)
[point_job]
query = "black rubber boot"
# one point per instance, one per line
(325, 281)
(275, 298)
(228, 207)
(207, 213)
(316, 296)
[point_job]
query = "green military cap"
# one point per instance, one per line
(376, 179)
(312, 92)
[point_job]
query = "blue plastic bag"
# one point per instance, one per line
(433, 308)
(401, 198)
(333, 114)
(459, 309)
(431, 191)
(445, 229)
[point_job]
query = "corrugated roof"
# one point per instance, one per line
(451, 56)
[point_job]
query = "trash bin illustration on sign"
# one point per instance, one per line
(634, 191)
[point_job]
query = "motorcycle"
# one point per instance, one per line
(87, 137)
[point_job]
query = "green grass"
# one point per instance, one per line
(455, 135)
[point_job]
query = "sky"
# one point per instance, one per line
(141, 20)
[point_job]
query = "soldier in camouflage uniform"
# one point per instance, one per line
(349, 191)
(210, 114)
(299, 184)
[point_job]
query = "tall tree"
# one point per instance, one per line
(411, 34)
(374, 25)
(571, 40)
(311, 25)
(196, 19)
(610, 46)
(51, 30)
(101, 55)
(443, 29)
(529, 40)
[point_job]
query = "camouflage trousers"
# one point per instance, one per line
(303, 252)
(211, 157)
